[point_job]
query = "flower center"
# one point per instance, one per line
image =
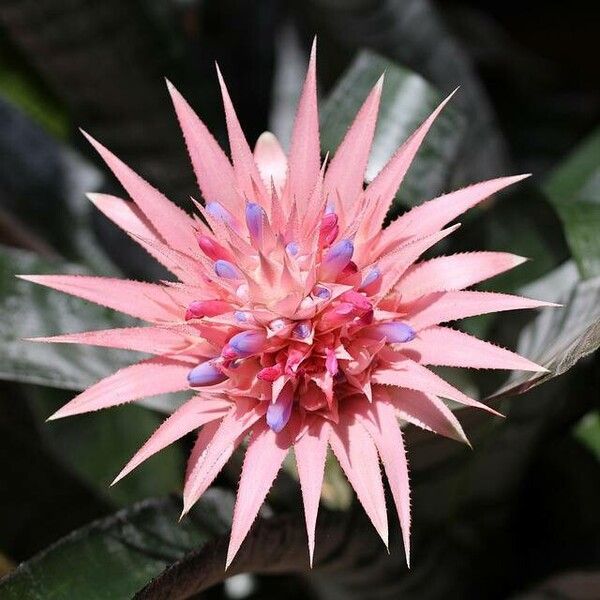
(298, 351)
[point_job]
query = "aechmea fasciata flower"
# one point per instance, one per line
(297, 320)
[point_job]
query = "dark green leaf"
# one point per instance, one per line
(40, 500)
(96, 447)
(38, 311)
(407, 100)
(33, 310)
(522, 222)
(574, 190)
(557, 339)
(114, 557)
(411, 33)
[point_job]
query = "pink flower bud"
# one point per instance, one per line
(212, 249)
(243, 292)
(358, 300)
(336, 316)
(331, 362)
(296, 354)
(206, 308)
(329, 229)
(270, 374)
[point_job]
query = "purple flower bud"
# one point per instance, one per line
(255, 219)
(277, 324)
(322, 292)
(279, 412)
(336, 259)
(292, 248)
(218, 211)
(395, 332)
(240, 316)
(247, 342)
(206, 373)
(302, 330)
(371, 277)
(227, 270)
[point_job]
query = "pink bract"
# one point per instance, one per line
(299, 322)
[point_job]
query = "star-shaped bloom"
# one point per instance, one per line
(299, 322)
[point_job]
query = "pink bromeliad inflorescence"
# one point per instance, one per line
(298, 320)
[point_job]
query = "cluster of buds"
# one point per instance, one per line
(289, 352)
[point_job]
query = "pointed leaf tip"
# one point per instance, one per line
(304, 156)
(170, 86)
(59, 414)
(522, 176)
(92, 140)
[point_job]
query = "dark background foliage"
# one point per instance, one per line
(515, 518)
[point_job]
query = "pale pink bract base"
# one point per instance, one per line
(347, 384)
